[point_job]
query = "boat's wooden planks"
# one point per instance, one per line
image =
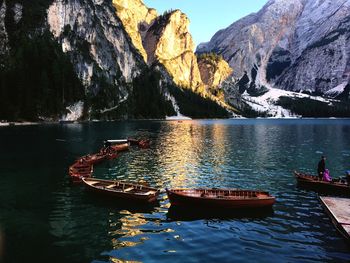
(339, 211)
(220, 199)
(122, 190)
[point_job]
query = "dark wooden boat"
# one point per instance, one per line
(122, 190)
(220, 198)
(144, 144)
(336, 186)
(133, 141)
(79, 170)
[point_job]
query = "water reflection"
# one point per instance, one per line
(181, 214)
(63, 220)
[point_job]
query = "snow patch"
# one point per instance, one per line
(176, 107)
(114, 107)
(267, 102)
(336, 91)
(177, 118)
(75, 112)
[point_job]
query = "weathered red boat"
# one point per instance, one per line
(111, 155)
(120, 147)
(94, 158)
(336, 186)
(122, 190)
(79, 170)
(220, 198)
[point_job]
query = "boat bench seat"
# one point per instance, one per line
(93, 183)
(148, 193)
(128, 189)
(110, 186)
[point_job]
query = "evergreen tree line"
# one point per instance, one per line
(147, 100)
(39, 80)
(195, 106)
(312, 108)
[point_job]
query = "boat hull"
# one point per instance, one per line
(120, 147)
(313, 183)
(180, 199)
(80, 169)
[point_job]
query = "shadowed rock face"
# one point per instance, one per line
(289, 44)
(96, 41)
(3, 34)
(213, 71)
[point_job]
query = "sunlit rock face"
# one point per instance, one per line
(299, 45)
(136, 19)
(169, 42)
(213, 71)
(94, 37)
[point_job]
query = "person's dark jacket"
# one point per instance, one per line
(321, 166)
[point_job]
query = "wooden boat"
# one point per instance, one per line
(336, 186)
(133, 141)
(79, 170)
(144, 144)
(122, 190)
(112, 155)
(220, 198)
(120, 147)
(95, 158)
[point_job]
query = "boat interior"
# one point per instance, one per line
(121, 187)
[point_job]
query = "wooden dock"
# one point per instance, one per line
(338, 210)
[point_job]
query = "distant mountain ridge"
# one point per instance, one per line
(119, 59)
(295, 45)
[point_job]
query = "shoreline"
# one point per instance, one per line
(14, 123)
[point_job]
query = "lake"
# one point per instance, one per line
(45, 218)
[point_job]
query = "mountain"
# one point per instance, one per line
(292, 45)
(94, 59)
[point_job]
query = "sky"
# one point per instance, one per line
(208, 16)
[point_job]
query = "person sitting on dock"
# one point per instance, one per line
(321, 167)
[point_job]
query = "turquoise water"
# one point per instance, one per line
(44, 218)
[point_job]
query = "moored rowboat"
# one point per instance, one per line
(120, 147)
(336, 186)
(95, 158)
(220, 198)
(122, 190)
(79, 170)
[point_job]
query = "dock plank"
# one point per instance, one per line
(339, 211)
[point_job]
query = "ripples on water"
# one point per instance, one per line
(51, 219)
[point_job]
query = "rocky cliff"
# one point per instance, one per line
(297, 45)
(136, 19)
(96, 40)
(97, 59)
(169, 42)
(214, 70)
(3, 35)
